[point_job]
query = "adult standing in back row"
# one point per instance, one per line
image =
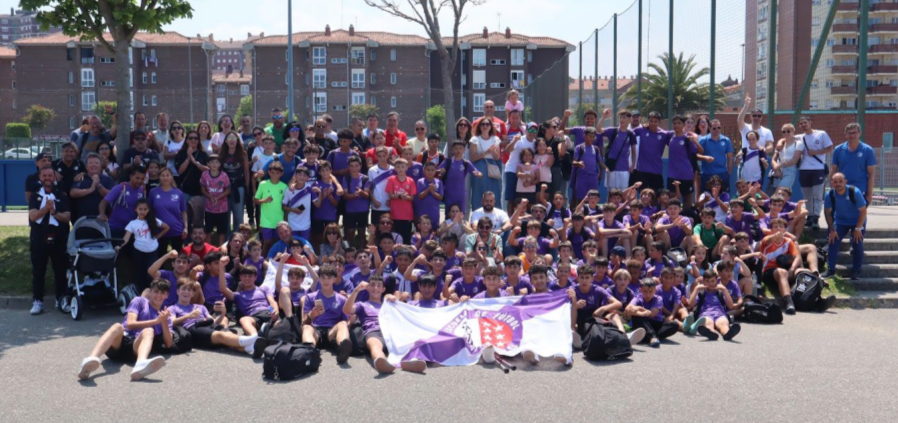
(814, 146)
(765, 136)
(856, 160)
(620, 155)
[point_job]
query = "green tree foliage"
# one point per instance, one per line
(37, 117)
(103, 109)
(436, 121)
(18, 130)
(689, 94)
(362, 111)
(244, 108)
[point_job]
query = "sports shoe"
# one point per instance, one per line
(343, 351)
(488, 354)
(698, 323)
(144, 368)
(707, 333)
(655, 343)
(88, 366)
(383, 366)
(826, 304)
(856, 276)
(688, 322)
(530, 357)
(636, 336)
(37, 307)
(829, 273)
(734, 330)
(258, 347)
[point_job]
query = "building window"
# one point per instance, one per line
(222, 89)
(87, 55)
(529, 57)
(517, 79)
(13, 84)
(12, 65)
(392, 54)
(107, 60)
(373, 101)
(393, 101)
(319, 78)
(320, 102)
(358, 98)
(888, 140)
(517, 57)
(479, 99)
(830, 63)
(319, 55)
(393, 78)
(153, 103)
(153, 78)
(14, 104)
(479, 80)
(497, 62)
(69, 54)
(144, 100)
(71, 77)
(143, 77)
(358, 78)
(373, 78)
(373, 54)
(358, 55)
(244, 89)
(71, 122)
(87, 77)
(71, 100)
(88, 100)
(479, 57)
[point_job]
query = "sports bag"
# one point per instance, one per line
(286, 361)
(755, 311)
(603, 341)
(678, 256)
(806, 291)
(290, 333)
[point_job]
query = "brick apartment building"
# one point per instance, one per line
(230, 55)
(21, 24)
(602, 86)
(70, 76)
(9, 111)
(336, 69)
(229, 89)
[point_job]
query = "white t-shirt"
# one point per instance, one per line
(332, 135)
(818, 140)
(766, 136)
(217, 139)
(263, 159)
(143, 240)
(497, 216)
(172, 147)
(514, 158)
(302, 221)
(380, 186)
(481, 146)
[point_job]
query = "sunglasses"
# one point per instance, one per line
(485, 124)
(419, 129)
(532, 130)
(529, 247)
(257, 134)
(140, 139)
(757, 116)
(177, 128)
(297, 129)
(193, 138)
(276, 117)
(716, 128)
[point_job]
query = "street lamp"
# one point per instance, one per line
(209, 48)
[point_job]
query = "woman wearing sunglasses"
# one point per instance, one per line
(785, 161)
(486, 156)
(171, 147)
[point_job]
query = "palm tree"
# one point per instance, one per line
(689, 95)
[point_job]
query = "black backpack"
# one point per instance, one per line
(602, 341)
(287, 361)
(755, 311)
(289, 333)
(806, 291)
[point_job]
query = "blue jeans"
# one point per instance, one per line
(237, 208)
(858, 253)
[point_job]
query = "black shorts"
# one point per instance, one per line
(125, 352)
(323, 332)
(261, 318)
(654, 181)
(355, 220)
(319, 225)
(771, 282)
(687, 186)
(375, 334)
(217, 221)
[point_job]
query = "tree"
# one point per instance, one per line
(426, 13)
(245, 108)
(362, 111)
(119, 20)
(38, 117)
(436, 121)
(100, 112)
(689, 95)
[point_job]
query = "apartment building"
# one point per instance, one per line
(70, 76)
(229, 89)
(602, 86)
(230, 56)
(9, 111)
(21, 24)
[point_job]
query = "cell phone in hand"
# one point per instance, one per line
(319, 303)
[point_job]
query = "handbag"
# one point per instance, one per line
(492, 170)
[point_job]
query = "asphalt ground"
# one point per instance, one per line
(836, 367)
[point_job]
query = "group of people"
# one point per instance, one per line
(365, 215)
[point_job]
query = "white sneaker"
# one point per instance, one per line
(636, 336)
(37, 307)
(577, 340)
(144, 368)
(88, 366)
(488, 354)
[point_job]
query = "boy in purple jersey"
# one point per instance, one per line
(609, 231)
(636, 270)
(657, 261)
(587, 165)
(395, 280)
(728, 276)
(208, 275)
(671, 297)
(576, 233)
(647, 311)
(601, 277)
(565, 255)
(652, 143)
(363, 260)
(356, 197)
(622, 150)
(590, 209)
(427, 291)
(739, 221)
(326, 193)
(180, 269)
(533, 230)
(415, 169)
(467, 286)
(147, 328)
(492, 283)
(289, 297)
(538, 278)
(429, 196)
(564, 278)
(794, 220)
(205, 332)
(344, 286)
(684, 153)
(256, 305)
(647, 198)
(297, 204)
(368, 312)
(642, 234)
(513, 281)
(436, 266)
(591, 301)
(711, 301)
(256, 260)
(621, 290)
(311, 154)
(674, 230)
(323, 316)
(339, 158)
(449, 244)
(453, 171)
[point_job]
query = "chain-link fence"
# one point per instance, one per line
(28, 149)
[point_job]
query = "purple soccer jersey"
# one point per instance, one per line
(484, 294)
(680, 155)
(333, 308)
(178, 310)
(340, 160)
(619, 147)
(578, 238)
(468, 289)
(595, 297)
(742, 225)
(669, 298)
(523, 283)
(429, 206)
(677, 235)
(456, 171)
(352, 186)
(252, 302)
(651, 149)
(123, 198)
(368, 313)
(327, 211)
(144, 311)
(653, 303)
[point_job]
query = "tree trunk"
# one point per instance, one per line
(448, 99)
(122, 98)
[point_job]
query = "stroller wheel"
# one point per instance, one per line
(124, 300)
(77, 306)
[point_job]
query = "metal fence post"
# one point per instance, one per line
(580, 92)
(614, 77)
(863, 26)
(818, 51)
(670, 62)
(713, 105)
(882, 173)
(595, 73)
(639, 63)
(771, 62)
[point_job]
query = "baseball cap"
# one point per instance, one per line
(41, 156)
(619, 251)
(532, 125)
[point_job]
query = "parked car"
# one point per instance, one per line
(20, 154)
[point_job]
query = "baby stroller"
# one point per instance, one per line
(92, 277)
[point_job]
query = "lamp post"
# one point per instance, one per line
(209, 48)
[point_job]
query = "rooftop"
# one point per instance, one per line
(160, 39)
(7, 52)
(388, 38)
(603, 83)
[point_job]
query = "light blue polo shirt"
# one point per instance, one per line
(846, 212)
(718, 150)
(853, 164)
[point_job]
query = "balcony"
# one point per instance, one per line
(845, 49)
(884, 27)
(884, 7)
(845, 27)
(882, 69)
(843, 90)
(844, 70)
(883, 48)
(882, 90)
(848, 7)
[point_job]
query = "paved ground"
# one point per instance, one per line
(836, 367)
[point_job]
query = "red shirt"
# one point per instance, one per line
(207, 248)
(401, 209)
(373, 156)
(399, 135)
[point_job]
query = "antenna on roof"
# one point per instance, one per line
(499, 23)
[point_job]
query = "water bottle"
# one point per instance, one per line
(755, 284)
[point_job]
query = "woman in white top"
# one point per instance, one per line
(785, 159)
(419, 141)
(225, 126)
(170, 148)
(205, 131)
(485, 153)
(513, 149)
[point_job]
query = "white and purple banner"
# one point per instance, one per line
(456, 335)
